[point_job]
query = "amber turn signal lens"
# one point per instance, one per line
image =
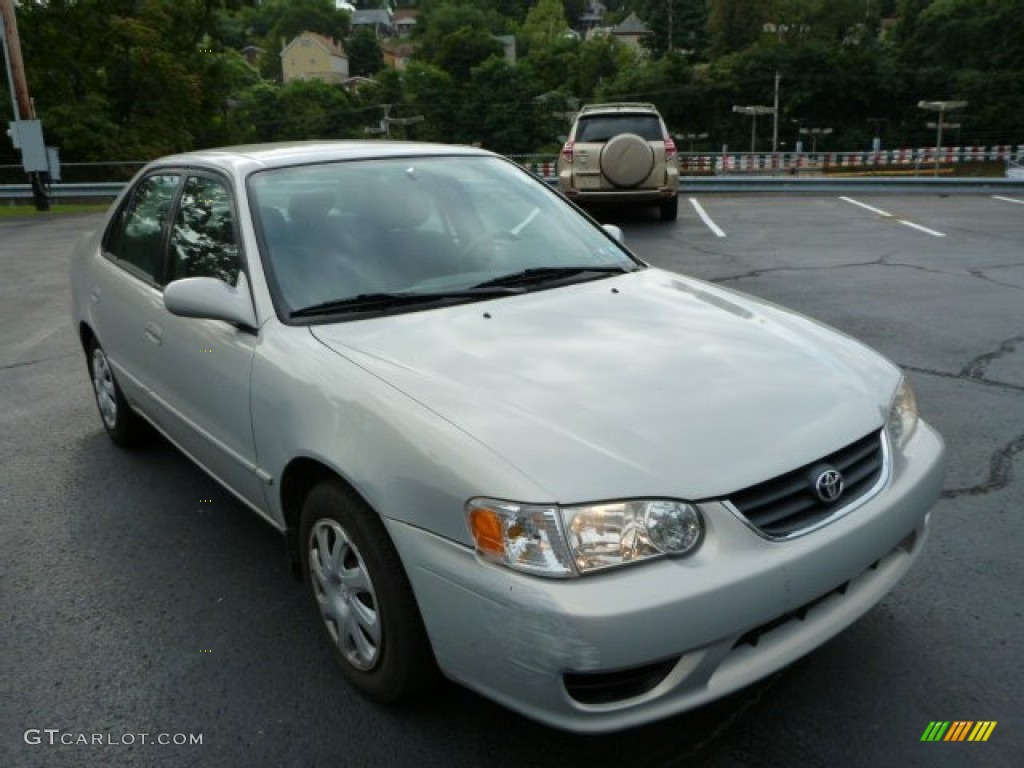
(486, 527)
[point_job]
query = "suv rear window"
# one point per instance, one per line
(604, 127)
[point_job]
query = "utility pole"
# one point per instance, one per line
(775, 119)
(21, 100)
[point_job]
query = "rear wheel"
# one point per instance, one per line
(669, 209)
(365, 602)
(119, 420)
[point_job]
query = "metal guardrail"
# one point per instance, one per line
(100, 191)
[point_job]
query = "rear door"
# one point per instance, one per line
(126, 285)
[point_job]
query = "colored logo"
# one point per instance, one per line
(958, 730)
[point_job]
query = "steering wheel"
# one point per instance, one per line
(486, 249)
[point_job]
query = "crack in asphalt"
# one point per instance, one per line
(882, 261)
(749, 702)
(1001, 463)
(999, 475)
(960, 377)
(980, 274)
(24, 363)
(767, 270)
(975, 369)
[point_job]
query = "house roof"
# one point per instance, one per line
(631, 25)
(372, 16)
(405, 16)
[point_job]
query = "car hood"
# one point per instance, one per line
(646, 384)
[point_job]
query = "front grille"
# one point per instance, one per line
(789, 504)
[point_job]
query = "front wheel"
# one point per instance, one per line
(365, 602)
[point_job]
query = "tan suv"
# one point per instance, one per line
(620, 153)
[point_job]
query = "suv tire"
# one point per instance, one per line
(669, 209)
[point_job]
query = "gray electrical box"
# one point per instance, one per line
(27, 136)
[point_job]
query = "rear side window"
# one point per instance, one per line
(137, 235)
(604, 127)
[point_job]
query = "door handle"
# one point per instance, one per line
(95, 295)
(153, 333)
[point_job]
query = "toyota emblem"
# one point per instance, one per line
(829, 485)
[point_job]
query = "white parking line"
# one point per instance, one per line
(879, 211)
(705, 218)
(888, 215)
(1008, 199)
(918, 227)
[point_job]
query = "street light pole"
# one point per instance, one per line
(754, 111)
(940, 107)
(814, 133)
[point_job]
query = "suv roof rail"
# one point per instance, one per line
(617, 105)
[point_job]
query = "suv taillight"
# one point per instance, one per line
(567, 151)
(670, 150)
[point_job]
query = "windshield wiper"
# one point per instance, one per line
(543, 274)
(390, 300)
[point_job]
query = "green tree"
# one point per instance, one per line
(545, 25)
(365, 57)
(466, 48)
(734, 25)
(434, 27)
(685, 20)
(303, 109)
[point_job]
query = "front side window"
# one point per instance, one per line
(203, 238)
(136, 238)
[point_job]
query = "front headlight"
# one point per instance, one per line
(565, 541)
(903, 416)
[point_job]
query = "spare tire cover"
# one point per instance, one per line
(626, 160)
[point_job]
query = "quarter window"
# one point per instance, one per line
(138, 234)
(203, 239)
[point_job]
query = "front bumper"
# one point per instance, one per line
(739, 609)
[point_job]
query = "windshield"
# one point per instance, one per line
(442, 226)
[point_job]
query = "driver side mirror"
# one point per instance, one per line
(615, 232)
(211, 299)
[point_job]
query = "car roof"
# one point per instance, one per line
(619, 106)
(249, 157)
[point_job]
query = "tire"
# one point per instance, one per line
(121, 423)
(627, 160)
(361, 592)
(669, 209)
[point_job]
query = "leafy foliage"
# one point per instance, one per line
(132, 79)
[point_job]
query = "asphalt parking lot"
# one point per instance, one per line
(136, 596)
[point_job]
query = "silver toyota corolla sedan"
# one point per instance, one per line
(497, 443)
